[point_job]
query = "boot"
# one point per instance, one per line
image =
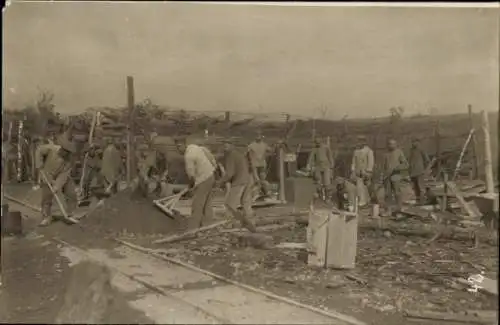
(47, 217)
(46, 221)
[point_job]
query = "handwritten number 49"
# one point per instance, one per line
(475, 281)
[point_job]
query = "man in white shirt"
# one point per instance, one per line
(200, 168)
(362, 169)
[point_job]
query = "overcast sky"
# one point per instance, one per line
(356, 61)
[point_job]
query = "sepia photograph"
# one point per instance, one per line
(227, 162)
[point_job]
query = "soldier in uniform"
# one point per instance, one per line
(57, 166)
(153, 169)
(92, 169)
(111, 167)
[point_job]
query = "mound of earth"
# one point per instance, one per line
(125, 213)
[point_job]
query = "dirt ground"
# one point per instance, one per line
(399, 272)
(35, 276)
(393, 273)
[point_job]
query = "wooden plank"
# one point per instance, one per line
(453, 317)
(342, 241)
(190, 233)
(23, 203)
(488, 165)
(475, 160)
(317, 237)
(270, 227)
(469, 208)
(130, 128)
(462, 153)
(292, 245)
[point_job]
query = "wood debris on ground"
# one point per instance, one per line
(394, 270)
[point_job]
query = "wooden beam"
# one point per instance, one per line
(469, 209)
(130, 133)
(488, 167)
(475, 161)
(281, 166)
(190, 233)
(461, 317)
(462, 153)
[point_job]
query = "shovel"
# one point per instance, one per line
(167, 204)
(58, 199)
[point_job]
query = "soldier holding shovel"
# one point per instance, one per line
(153, 169)
(238, 175)
(201, 167)
(56, 169)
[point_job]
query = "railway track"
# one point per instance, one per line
(194, 295)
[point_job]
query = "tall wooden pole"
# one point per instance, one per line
(437, 137)
(19, 165)
(488, 167)
(281, 167)
(7, 170)
(130, 129)
(95, 118)
(475, 161)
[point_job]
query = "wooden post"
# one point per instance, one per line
(488, 167)
(281, 166)
(227, 117)
(86, 158)
(6, 170)
(475, 161)
(130, 133)
(20, 151)
(437, 137)
(444, 199)
(462, 153)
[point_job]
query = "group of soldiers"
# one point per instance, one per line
(361, 185)
(104, 167)
(241, 172)
(54, 163)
